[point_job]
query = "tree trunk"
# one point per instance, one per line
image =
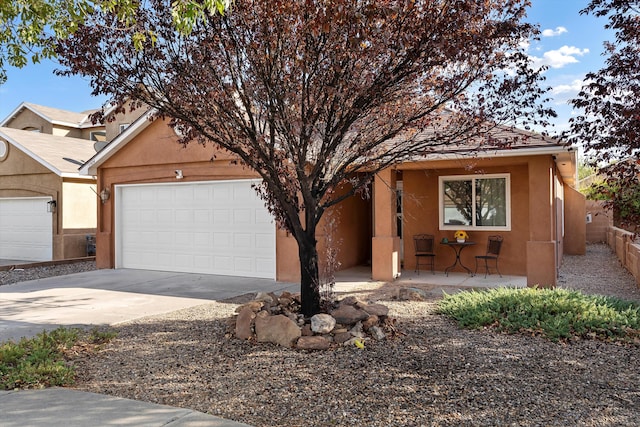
(309, 274)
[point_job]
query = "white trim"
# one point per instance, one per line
(472, 178)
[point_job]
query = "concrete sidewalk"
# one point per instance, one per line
(70, 408)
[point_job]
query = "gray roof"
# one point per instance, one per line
(61, 116)
(60, 154)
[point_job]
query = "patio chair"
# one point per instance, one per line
(494, 243)
(423, 244)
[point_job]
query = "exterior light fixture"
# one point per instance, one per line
(179, 174)
(104, 195)
(51, 206)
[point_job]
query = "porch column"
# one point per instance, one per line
(541, 247)
(385, 245)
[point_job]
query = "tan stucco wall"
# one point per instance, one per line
(79, 202)
(21, 176)
(575, 226)
(154, 156)
(420, 211)
(128, 117)
(27, 119)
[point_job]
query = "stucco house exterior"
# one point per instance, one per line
(169, 207)
(47, 209)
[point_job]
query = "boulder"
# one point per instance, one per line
(379, 310)
(265, 297)
(411, 294)
(342, 337)
(322, 323)
(244, 323)
(277, 329)
(316, 342)
(255, 306)
(377, 333)
(348, 314)
(369, 322)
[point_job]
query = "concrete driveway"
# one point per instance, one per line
(107, 297)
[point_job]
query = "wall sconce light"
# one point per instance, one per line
(104, 195)
(51, 206)
(179, 174)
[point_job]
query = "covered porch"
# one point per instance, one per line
(539, 215)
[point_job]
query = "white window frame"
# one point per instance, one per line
(473, 178)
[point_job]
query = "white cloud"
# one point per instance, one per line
(552, 33)
(560, 57)
(571, 88)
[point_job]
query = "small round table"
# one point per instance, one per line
(457, 248)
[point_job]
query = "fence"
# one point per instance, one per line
(627, 249)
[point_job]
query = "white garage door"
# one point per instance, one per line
(26, 231)
(207, 227)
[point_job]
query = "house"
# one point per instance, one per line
(47, 209)
(169, 207)
(53, 121)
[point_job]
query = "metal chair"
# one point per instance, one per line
(423, 244)
(494, 244)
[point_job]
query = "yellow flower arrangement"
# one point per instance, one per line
(461, 235)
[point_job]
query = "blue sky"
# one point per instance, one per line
(571, 46)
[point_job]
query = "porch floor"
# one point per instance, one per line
(359, 279)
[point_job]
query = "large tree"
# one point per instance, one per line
(31, 29)
(609, 124)
(307, 93)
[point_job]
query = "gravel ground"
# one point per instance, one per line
(434, 375)
(22, 275)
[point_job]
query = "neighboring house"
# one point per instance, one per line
(52, 121)
(169, 207)
(46, 207)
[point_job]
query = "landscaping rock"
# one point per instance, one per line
(377, 333)
(244, 323)
(411, 294)
(322, 323)
(348, 314)
(379, 310)
(317, 342)
(369, 322)
(277, 329)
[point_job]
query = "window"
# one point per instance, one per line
(122, 127)
(475, 202)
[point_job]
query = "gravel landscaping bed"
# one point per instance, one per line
(435, 374)
(24, 274)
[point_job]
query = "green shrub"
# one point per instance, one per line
(40, 361)
(553, 313)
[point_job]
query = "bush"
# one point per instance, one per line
(553, 313)
(40, 361)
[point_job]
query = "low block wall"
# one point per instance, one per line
(627, 249)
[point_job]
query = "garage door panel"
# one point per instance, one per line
(217, 227)
(26, 230)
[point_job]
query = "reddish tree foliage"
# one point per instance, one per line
(609, 127)
(308, 92)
